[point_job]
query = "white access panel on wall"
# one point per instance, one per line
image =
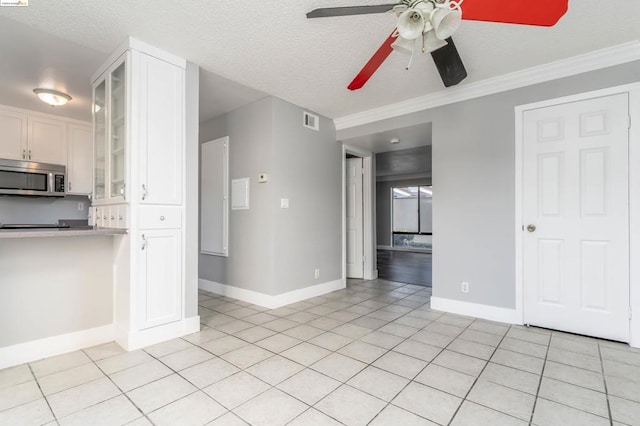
(214, 197)
(240, 194)
(576, 217)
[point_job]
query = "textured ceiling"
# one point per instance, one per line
(270, 46)
(411, 136)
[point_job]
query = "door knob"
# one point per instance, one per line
(531, 228)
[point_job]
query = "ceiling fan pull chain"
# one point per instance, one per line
(410, 60)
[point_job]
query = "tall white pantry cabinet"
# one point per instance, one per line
(139, 137)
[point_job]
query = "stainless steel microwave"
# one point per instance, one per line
(33, 179)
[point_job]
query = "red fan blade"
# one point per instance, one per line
(544, 13)
(374, 63)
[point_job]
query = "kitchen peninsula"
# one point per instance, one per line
(63, 290)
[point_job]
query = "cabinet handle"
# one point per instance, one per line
(119, 217)
(113, 217)
(144, 191)
(122, 192)
(161, 217)
(29, 154)
(144, 242)
(24, 154)
(69, 186)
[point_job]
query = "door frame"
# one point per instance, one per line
(368, 212)
(633, 90)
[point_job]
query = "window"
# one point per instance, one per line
(412, 216)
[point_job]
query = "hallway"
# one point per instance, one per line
(405, 267)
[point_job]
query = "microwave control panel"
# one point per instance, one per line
(59, 183)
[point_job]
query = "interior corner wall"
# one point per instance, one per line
(249, 264)
(274, 250)
(306, 168)
(474, 182)
(192, 152)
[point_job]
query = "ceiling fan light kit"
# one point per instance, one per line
(435, 21)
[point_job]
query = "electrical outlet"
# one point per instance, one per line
(80, 207)
(464, 287)
(316, 273)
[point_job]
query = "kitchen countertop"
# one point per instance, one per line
(64, 232)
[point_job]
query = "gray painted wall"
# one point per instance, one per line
(273, 250)
(192, 177)
(474, 173)
(41, 209)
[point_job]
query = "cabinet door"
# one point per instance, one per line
(161, 106)
(100, 140)
(80, 160)
(117, 132)
(160, 277)
(47, 141)
(13, 135)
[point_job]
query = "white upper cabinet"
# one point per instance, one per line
(32, 138)
(100, 141)
(47, 142)
(79, 160)
(13, 135)
(110, 134)
(161, 131)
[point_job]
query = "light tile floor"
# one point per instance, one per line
(372, 354)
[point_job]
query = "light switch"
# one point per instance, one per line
(284, 203)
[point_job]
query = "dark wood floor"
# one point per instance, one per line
(405, 267)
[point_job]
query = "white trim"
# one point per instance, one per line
(269, 301)
(368, 208)
(491, 313)
(634, 214)
(634, 196)
(55, 345)
(38, 114)
(603, 58)
(140, 46)
(141, 338)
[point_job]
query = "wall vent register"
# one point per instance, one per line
(310, 121)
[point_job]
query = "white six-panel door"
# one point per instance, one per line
(355, 242)
(576, 217)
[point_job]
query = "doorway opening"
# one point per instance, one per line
(404, 199)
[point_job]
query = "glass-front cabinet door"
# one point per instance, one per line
(117, 132)
(100, 140)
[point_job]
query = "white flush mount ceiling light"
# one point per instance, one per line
(52, 97)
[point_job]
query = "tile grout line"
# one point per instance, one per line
(606, 391)
(55, 418)
(478, 377)
(422, 369)
(544, 365)
(118, 387)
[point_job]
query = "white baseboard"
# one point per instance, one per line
(139, 339)
(491, 313)
(56, 345)
(266, 300)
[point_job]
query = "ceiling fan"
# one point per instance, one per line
(429, 25)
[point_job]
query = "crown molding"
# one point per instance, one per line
(598, 59)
